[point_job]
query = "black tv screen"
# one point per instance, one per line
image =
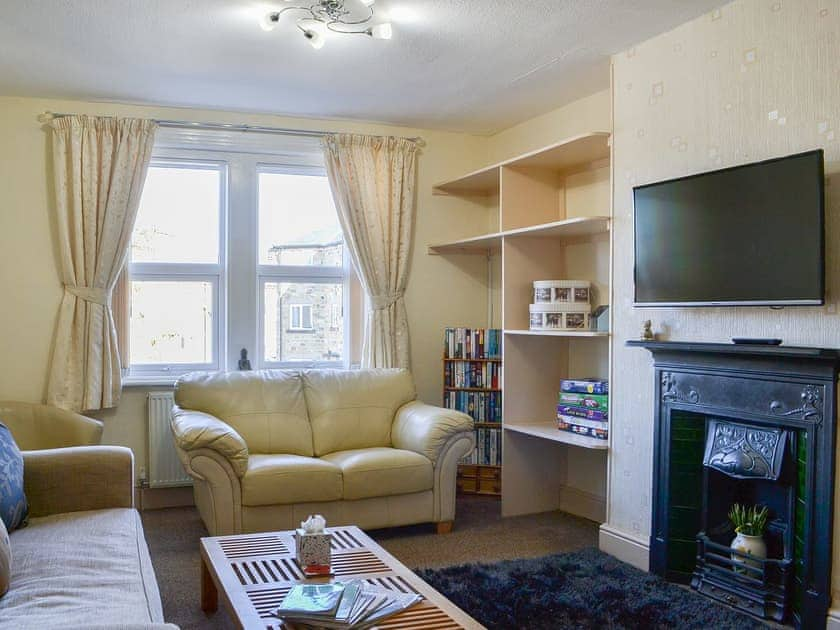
(748, 235)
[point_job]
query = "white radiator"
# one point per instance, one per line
(165, 469)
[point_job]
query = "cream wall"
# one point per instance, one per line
(753, 80)
(29, 276)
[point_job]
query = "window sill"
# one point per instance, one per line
(149, 381)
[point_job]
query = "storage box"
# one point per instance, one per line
(557, 317)
(569, 292)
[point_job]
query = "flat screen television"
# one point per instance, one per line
(752, 235)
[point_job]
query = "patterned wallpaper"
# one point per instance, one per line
(752, 80)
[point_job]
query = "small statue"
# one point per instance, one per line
(647, 331)
(244, 362)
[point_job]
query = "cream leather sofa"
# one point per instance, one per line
(268, 448)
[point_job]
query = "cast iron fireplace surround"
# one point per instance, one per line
(788, 392)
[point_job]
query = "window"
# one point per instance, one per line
(302, 270)
(237, 245)
(300, 316)
(176, 269)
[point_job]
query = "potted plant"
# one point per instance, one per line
(749, 523)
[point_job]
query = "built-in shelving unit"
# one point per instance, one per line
(549, 214)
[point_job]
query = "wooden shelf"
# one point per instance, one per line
(562, 156)
(549, 431)
(474, 360)
(488, 425)
(471, 389)
(567, 228)
(558, 333)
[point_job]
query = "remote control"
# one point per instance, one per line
(756, 341)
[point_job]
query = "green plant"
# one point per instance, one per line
(749, 521)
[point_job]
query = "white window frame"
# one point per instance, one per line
(308, 274)
(239, 278)
(214, 273)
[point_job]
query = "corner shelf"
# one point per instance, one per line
(567, 228)
(549, 431)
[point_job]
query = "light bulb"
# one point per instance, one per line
(309, 24)
(381, 31)
(268, 22)
(315, 39)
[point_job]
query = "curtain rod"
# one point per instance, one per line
(185, 124)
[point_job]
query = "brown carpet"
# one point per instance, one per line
(480, 535)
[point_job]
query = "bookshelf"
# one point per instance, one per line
(471, 383)
(549, 214)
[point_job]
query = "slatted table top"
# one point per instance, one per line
(253, 572)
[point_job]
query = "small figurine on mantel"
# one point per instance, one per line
(244, 361)
(647, 331)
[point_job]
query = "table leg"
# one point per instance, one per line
(209, 594)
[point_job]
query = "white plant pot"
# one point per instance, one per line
(751, 545)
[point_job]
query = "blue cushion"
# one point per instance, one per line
(13, 507)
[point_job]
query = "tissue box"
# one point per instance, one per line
(313, 552)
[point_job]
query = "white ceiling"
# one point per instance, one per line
(464, 65)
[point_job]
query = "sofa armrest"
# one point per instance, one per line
(195, 430)
(78, 478)
(426, 429)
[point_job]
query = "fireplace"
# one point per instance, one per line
(751, 425)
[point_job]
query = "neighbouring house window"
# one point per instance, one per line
(300, 316)
(195, 300)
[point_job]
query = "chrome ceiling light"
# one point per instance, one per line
(332, 15)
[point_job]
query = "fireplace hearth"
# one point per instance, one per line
(751, 425)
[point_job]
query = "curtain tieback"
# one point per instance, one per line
(90, 294)
(381, 302)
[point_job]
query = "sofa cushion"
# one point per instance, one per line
(13, 506)
(81, 569)
(284, 479)
(382, 472)
(266, 407)
(354, 409)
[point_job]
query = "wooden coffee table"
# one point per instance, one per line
(253, 573)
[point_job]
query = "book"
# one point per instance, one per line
(585, 386)
(582, 412)
(590, 401)
(583, 422)
(581, 430)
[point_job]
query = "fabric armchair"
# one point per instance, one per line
(78, 479)
(37, 427)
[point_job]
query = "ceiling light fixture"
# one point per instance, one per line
(332, 15)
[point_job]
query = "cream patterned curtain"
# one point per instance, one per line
(100, 168)
(373, 181)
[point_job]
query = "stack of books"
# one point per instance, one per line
(488, 448)
(583, 407)
(355, 604)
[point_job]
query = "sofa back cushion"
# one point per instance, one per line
(266, 407)
(355, 408)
